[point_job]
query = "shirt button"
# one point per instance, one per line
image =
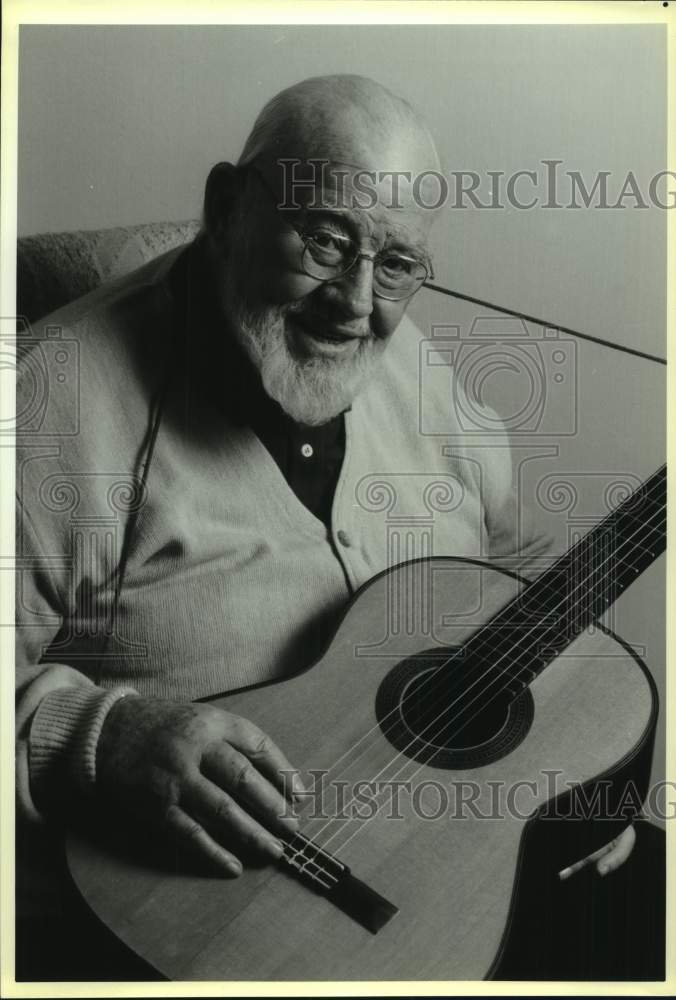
(307, 451)
(343, 538)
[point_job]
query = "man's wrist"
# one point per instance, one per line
(63, 739)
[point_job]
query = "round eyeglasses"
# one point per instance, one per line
(329, 256)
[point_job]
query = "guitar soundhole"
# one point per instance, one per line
(430, 708)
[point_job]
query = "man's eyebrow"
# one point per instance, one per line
(419, 247)
(394, 237)
(331, 212)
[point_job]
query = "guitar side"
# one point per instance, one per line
(452, 876)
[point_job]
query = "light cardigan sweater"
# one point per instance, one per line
(229, 580)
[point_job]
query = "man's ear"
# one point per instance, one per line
(222, 191)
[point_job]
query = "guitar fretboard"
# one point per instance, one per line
(516, 645)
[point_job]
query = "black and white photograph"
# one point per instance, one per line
(334, 354)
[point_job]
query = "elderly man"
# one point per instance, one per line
(233, 395)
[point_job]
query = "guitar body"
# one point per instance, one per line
(452, 862)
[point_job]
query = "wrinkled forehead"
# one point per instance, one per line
(397, 198)
(388, 187)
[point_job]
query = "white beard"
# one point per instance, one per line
(310, 390)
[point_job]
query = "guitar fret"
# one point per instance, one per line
(640, 521)
(574, 592)
(509, 652)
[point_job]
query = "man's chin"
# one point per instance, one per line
(312, 375)
(310, 408)
(311, 395)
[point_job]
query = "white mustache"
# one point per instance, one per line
(312, 389)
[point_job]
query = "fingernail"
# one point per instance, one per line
(603, 869)
(298, 786)
(234, 867)
(275, 847)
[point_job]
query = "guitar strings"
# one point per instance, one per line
(625, 542)
(573, 625)
(485, 644)
(362, 821)
(460, 681)
(589, 596)
(359, 823)
(492, 680)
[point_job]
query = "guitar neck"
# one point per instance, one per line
(582, 584)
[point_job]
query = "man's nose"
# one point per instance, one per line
(356, 289)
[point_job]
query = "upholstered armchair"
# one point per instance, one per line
(55, 268)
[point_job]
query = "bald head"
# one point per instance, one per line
(316, 248)
(344, 119)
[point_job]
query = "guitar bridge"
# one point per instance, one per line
(334, 880)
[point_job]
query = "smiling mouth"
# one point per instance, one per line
(332, 338)
(328, 337)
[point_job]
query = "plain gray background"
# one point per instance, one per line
(119, 125)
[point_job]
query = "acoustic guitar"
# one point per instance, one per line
(441, 752)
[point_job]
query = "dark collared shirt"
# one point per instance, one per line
(310, 458)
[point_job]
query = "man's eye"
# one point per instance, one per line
(397, 266)
(327, 248)
(325, 240)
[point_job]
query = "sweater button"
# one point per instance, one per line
(307, 451)
(343, 538)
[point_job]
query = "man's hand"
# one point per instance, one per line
(205, 776)
(607, 858)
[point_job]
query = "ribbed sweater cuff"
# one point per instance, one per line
(64, 735)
